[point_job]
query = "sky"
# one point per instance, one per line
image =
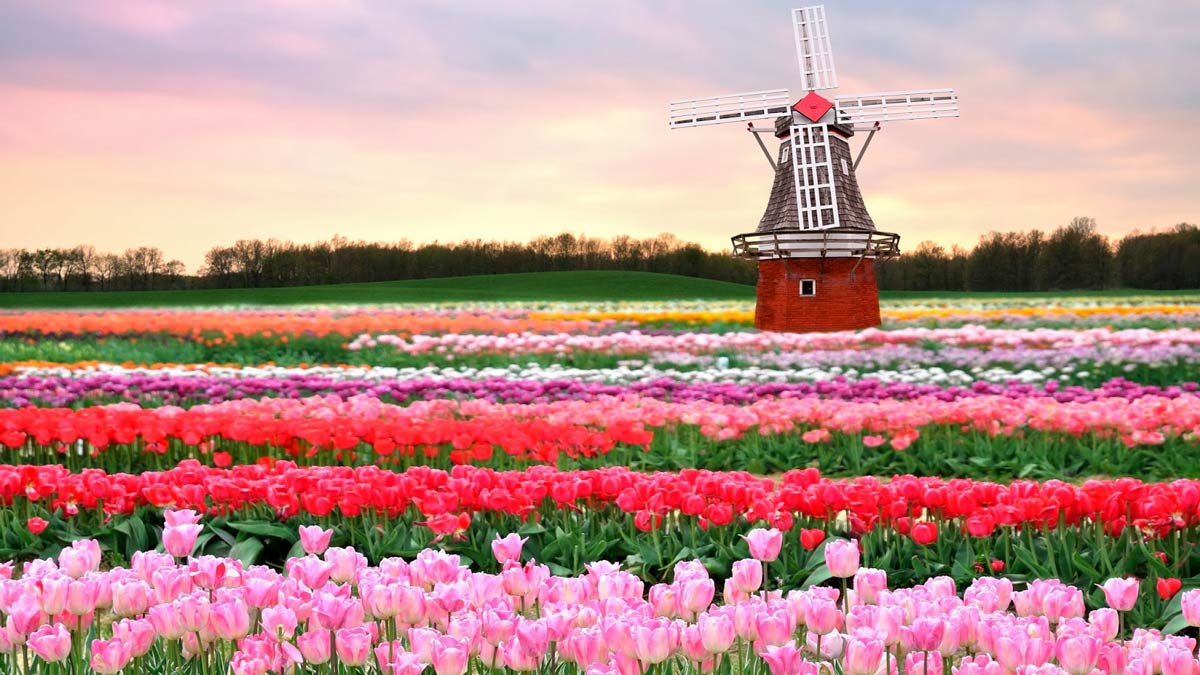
(185, 125)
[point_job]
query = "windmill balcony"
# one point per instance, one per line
(834, 242)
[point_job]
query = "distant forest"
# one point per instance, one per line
(1073, 257)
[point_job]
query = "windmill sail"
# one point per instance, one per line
(813, 49)
(695, 112)
(896, 106)
(812, 169)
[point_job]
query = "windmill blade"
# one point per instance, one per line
(813, 49)
(696, 112)
(812, 169)
(895, 106)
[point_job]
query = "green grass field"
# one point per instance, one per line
(548, 286)
(539, 286)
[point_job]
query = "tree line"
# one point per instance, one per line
(1072, 257)
(256, 263)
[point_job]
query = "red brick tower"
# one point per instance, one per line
(816, 245)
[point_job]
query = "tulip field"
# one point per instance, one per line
(1004, 486)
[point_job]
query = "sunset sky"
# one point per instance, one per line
(188, 124)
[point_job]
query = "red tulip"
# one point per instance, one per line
(810, 539)
(36, 525)
(925, 532)
(1167, 587)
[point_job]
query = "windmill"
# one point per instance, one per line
(816, 245)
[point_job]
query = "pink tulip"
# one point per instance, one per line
(54, 593)
(696, 595)
(279, 622)
(841, 557)
(81, 557)
(691, 646)
(822, 616)
(786, 660)
(1078, 655)
(82, 596)
(923, 663)
(1106, 622)
(110, 656)
(332, 611)
(179, 540)
(1120, 594)
(169, 583)
(311, 570)
(746, 575)
(449, 656)
(177, 517)
(314, 539)
(346, 564)
(663, 600)
(518, 657)
(166, 621)
(1114, 658)
(655, 641)
(1190, 604)
(925, 634)
(764, 544)
(139, 634)
(229, 619)
(314, 645)
(774, 627)
(353, 645)
(194, 609)
(51, 642)
(1179, 662)
(868, 582)
(25, 615)
(130, 598)
(981, 664)
(716, 632)
(586, 645)
(862, 657)
(508, 549)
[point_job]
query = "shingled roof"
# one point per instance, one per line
(781, 212)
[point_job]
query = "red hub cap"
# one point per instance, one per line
(813, 106)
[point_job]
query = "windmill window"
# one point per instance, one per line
(785, 154)
(808, 287)
(845, 167)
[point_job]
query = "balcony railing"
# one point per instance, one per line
(836, 242)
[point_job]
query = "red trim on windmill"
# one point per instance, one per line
(813, 106)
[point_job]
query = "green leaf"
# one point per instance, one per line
(135, 529)
(246, 550)
(1082, 564)
(1175, 625)
(265, 529)
(818, 576)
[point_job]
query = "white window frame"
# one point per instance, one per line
(785, 154)
(814, 288)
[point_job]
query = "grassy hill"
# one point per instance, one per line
(549, 286)
(537, 286)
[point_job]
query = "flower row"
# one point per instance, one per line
(330, 611)
(914, 527)
(1106, 433)
(186, 387)
(635, 342)
(282, 323)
